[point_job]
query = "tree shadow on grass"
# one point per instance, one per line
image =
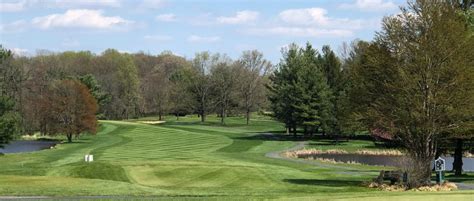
(324, 182)
(462, 178)
(76, 142)
(207, 123)
(270, 136)
(327, 143)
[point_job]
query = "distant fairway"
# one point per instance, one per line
(186, 159)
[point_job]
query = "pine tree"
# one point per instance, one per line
(299, 94)
(331, 67)
(316, 106)
(281, 87)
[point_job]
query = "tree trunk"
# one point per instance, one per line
(247, 115)
(294, 131)
(457, 163)
(203, 109)
(222, 115)
(419, 171)
(69, 137)
(203, 117)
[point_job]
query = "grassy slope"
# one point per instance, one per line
(182, 158)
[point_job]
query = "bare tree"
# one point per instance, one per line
(251, 80)
(224, 79)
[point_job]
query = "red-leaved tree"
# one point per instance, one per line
(69, 109)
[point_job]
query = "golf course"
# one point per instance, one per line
(187, 159)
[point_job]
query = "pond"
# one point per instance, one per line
(27, 146)
(388, 160)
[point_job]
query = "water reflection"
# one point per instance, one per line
(27, 146)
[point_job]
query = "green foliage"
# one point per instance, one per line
(334, 74)
(125, 93)
(281, 87)
(332, 68)
(422, 62)
(8, 120)
(8, 116)
(299, 92)
(96, 90)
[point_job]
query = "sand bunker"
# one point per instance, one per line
(152, 122)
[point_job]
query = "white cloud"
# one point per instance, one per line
(22, 5)
(241, 17)
(125, 51)
(14, 27)
(152, 4)
(318, 17)
(158, 38)
(12, 6)
(203, 39)
(169, 17)
(20, 52)
(305, 16)
(82, 3)
(299, 32)
(370, 5)
(310, 22)
(82, 18)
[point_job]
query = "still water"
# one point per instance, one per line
(26, 146)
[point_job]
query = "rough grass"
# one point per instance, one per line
(97, 170)
(183, 159)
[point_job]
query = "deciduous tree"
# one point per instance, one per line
(69, 108)
(253, 69)
(425, 87)
(224, 79)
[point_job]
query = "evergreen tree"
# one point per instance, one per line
(282, 93)
(332, 71)
(299, 94)
(96, 90)
(315, 108)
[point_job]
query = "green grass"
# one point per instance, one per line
(188, 159)
(349, 146)
(465, 178)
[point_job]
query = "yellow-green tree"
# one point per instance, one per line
(425, 82)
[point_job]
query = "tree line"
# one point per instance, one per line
(40, 90)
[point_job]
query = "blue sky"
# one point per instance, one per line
(187, 26)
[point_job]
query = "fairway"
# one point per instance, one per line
(187, 159)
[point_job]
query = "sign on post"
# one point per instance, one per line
(89, 158)
(440, 166)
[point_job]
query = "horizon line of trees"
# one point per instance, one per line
(127, 86)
